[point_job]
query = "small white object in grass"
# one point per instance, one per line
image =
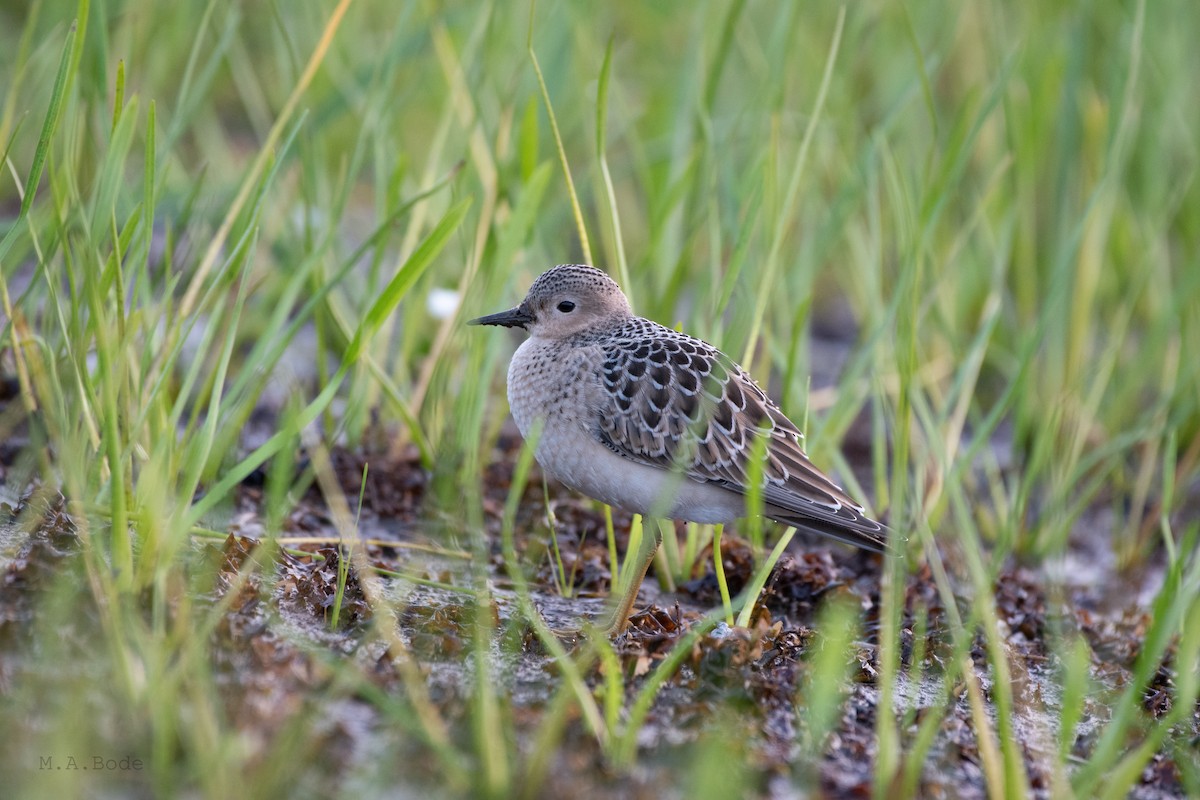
(442, 303)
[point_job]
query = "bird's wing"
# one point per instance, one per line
(675, 402)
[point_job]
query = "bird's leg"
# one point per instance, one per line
(667, 556)
(631, 580)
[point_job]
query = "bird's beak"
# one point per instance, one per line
(513, 318)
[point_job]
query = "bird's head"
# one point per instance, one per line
(564, 301)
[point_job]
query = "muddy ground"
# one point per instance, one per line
(274, 651)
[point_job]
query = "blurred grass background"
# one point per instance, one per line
(1001, 195)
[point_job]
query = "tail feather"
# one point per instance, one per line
(844, 526)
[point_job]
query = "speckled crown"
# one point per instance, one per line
(572, 277)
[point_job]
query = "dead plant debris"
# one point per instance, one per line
(278, 608)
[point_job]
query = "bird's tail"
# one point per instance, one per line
(845, 525)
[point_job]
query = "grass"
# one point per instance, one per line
(1003, 196)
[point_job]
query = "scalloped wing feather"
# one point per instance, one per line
(675, 402)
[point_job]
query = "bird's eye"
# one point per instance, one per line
(566, 306)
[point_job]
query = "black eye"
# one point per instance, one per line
(566, 306)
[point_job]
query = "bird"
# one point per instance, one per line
(646, 418)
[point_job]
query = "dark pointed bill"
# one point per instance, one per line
(513, 318)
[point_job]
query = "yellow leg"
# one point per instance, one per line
(631, 580)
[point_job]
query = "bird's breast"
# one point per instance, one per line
(552, 392)
(551, 385)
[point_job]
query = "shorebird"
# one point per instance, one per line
(657, 422)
